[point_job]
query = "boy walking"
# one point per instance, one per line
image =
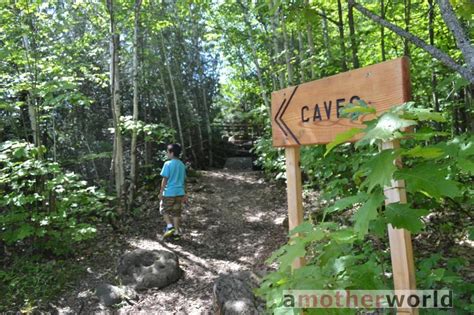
(172, 194)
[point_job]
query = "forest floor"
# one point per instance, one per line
(232, 223)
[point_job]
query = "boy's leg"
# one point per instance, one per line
(177, 209)
(166, 207)
(176, 221)
(167, 219)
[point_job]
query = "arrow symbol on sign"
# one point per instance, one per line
(279, 116)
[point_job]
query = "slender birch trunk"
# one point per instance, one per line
(289, 67)
(382, 29)
(327, 43)
(133, 149)
(117, 159)
(406, 47)
(175, 96)
(301, 54)
(355, 58)
(309, 35)
(341, 36)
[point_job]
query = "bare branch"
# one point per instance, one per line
(432, 50)
(456, 28)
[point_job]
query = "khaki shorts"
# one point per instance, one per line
(171, 206)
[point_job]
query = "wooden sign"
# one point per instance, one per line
(309, 113)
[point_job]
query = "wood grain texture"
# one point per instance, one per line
(295, 120)
(401, 249)
(294, 193)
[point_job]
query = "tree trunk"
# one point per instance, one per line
(341, 36)
(207, 119)
(355, 58)
(289, 67)
(301, 54)
(407, 7)
(33, 115)
(309, 35)
(433, 72)
(117, 159)
(133, 149)
(327, 43)
(276, 48)
(30, 98)
(382, 30)
(175, 97)
(167, 102)
(462, 40)
(255, 60)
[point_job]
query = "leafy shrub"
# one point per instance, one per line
(42, 207)
(271, 159)
(31, 281)
(351, 253)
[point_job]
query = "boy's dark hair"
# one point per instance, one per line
(175, 148)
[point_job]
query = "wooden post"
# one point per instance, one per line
(294, 193)
(401, 250)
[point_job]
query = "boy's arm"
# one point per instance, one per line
(164, 182)
(185, 197)
(165, 173)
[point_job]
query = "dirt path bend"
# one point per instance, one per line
(233, 223)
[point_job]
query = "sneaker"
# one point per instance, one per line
(168, 231)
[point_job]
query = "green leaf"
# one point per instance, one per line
(403, 217)
(313, 236)
(353, 111)
(429, 179)
(346, 202)
(424, 152)
(381, 169)
(292, 251)
(25, 230)
(385, 128)
(341, 138)
(344, 236)
(367, 212)
(466, 165)
(423, 114)
(424, 136)
(304, 227)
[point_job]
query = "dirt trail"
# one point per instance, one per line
(233, 223)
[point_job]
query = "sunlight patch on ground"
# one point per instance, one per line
(243, 177)
(254, 217)
(186, 257)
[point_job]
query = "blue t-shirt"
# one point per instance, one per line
(175, 171)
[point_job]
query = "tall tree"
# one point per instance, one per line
(117, 155)
(309, 35)
(352, 34)
(342, 45)
(173, 89)
(133, 149)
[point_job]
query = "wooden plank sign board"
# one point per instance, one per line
(309, 113)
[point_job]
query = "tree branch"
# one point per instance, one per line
(456, 28)
(432, 50)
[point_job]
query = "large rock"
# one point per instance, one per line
(143, 269)
(233, 295)
(110, 294)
